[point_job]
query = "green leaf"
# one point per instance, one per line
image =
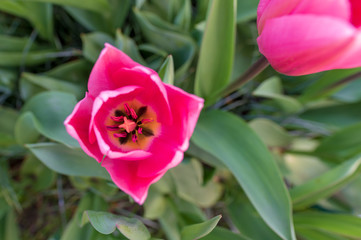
(319, 89)
(160, 34)
(227, 137)
(106, 223)
(102, 21)
(337, 224)
(336, 115)
(25, 130)
(54, 84)
(199, 230)
(166, 71)
(311, 234)
(39, 14)
(220, 233)
(271, 134)
(12, 231)
(184, 16)
(36, 57)
(64, 160)
(272, 88)
(15, 44)
(94, 5)
(93, 43)
(49, 110)
(326, 184)
(246, 10)
(215, 61)
(341, 145)
(248, 222)
(188, 179)
(128, 46)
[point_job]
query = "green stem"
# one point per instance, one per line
(252, 72)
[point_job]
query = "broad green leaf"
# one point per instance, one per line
(166, 71)
(128, 46)
(93, 43)
(220, 233)
(335, 116)
(246, 10)
(94, 5)
(169, 222)
(157, 32)
(341, 145)
(188, 178)
(216, 55)
(12, 231)
(248, 222)
(349, 93)
(39, 14)
(272, 89)
(64, 160)
(154, 205)
(54, 84)
(8, 117)
(14, 44)
(25, 130)
(311, 234)
(31, 58)
(227, 137)
(319, 89)
(323, 186)
(102, 21)
(49, 111)
(199, 230)
(271, 134)
(73, 71)
(337, 224)
(106, 223)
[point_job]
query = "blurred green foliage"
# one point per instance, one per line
(278, 159)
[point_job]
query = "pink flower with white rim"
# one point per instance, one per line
(307, 36)
(132, 123)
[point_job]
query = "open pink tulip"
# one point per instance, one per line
(138, 124)
(306, 36)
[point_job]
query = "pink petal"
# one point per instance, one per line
(185, 109)
(123, 174)
(356, 12)
(167, 150)
(304, 44)
(268, 9)
(351, 55)
(164, 157)
(155, 91)
(110, 60)
(77, 125)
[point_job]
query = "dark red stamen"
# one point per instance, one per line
(134, 138)
(120, 135)
(117, 119)
(132, 112)
(127, 109)
(128, 125)
(113, 128)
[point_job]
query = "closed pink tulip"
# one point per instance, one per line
(307, 36)
(132, 123)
